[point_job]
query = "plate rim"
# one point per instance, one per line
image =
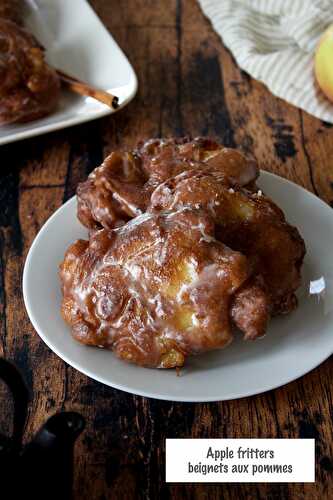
(139, 392)
(89, 116)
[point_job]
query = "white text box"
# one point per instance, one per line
(240, 460)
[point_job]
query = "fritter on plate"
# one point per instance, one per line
(121, 187)
(248, 222)
(154, 291)
(184, 248)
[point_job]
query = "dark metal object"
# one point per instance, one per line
(44, 467)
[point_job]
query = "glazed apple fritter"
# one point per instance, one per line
(29, 88)
(161, 158)
(121, 187)
(248, 222)
(154, 290)
(183, 250)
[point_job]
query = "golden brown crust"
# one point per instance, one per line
(121, 187)
(163, 158)
(248, 222)
(251, 308)
(114, 192)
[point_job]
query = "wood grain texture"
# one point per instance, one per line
(188, 84)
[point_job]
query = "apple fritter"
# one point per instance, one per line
(155, 290)
(250, 223)
(183, 247)
(161, 159)
(29, 87)
(121, 187)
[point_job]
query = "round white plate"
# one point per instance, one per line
(294, 344)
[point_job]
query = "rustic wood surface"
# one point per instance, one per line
(188, 84)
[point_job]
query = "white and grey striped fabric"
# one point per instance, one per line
(274, 41)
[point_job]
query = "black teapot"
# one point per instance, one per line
(42, 468)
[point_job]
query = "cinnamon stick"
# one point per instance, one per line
(85, 89)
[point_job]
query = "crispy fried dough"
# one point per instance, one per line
(248, 222)
(179, 219)
(121, 187)
(155, 290)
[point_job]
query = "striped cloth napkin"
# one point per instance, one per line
(274, 41)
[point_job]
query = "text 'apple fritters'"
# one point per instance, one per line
(154, 290)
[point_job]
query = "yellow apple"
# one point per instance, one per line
(324, 63)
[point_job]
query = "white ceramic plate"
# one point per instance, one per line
(77, 43)
(293, 345)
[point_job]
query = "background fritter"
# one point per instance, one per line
(11, 10)
(29, 88)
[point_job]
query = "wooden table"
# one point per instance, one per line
(188, 84)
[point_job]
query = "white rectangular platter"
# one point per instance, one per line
(76, 42)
